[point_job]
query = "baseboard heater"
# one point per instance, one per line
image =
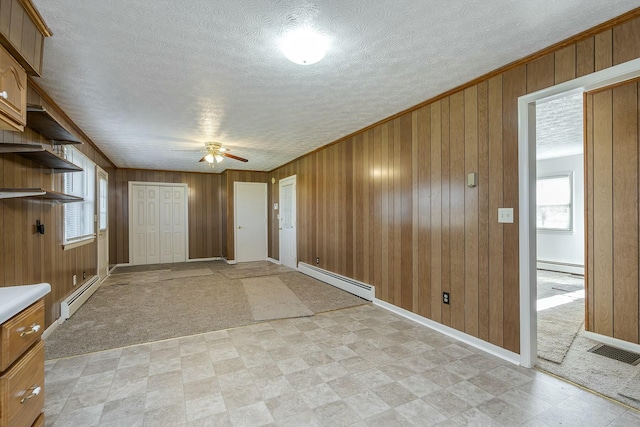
(346, 284)
(76, 299)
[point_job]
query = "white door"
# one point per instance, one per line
(250, 207)
(158, 223)
(103, 223)
(287, 222)
(166, 224)
(145, 247)
(172, 225)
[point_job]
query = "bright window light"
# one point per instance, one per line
(554, 202)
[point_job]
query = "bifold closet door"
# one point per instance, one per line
(145, 225)
(158, 224)
(172, 224)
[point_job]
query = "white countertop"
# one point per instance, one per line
(14, 299)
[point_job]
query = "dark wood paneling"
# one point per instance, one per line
(205, 211)
(28, 257)
(417, 229)
(612, 218)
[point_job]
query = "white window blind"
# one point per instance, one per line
(79, 216)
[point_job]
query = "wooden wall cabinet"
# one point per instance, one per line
(13, 93)
(22, 33)
(22, 368)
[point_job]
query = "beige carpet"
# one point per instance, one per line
(632, 388)
(148, 305)
(598, 373)
(269, 298)
(557, 328)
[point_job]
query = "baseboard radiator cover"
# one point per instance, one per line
(74, 301)
(562, 267)
(352, 286)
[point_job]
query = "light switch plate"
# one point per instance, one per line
(505, 215)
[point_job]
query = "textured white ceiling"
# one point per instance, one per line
(151, 80)
(559, 127)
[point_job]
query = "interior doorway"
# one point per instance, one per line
(250, 219)
(527, 191)
(560, 225)
(287, 222)
(102, 192)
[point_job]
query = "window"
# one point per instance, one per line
(79, 216)
(102, 204)
(554, 202)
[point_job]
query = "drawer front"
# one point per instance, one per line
(20, 332)
(22, 390)
(39, 422)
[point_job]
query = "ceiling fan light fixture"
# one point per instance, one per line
(304, 46)
(218, 158)
(209, 158)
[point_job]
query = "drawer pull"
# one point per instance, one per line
(4, 94)
(34, 392)
(34, 328)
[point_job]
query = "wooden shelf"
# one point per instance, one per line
(39, 119)
(10, 193)
(39, 193)
(40, 155)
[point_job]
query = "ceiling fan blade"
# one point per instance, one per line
(231, 156)
(203, 159)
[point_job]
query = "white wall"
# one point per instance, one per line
(561, 247)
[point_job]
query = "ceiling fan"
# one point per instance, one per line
(216, 153)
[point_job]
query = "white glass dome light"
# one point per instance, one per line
(304, 46)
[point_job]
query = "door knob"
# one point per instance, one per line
(4, 94)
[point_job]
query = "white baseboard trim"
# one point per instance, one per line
(52, 328)
(273, 260)
(613, 342)
(348, 284)
(215, 258)
(124, 264)
(230, 261)
(561, 267)
(500, 352)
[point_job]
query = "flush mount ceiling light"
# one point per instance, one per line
(304, 46)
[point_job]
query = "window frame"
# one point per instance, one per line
(570, 176)
(88, 194)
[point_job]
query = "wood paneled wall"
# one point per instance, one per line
(232, 176)
(25, 256)
(206, 210)
(389, 205)
(612, 166)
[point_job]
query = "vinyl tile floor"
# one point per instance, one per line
(361, 366)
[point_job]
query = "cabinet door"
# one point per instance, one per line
(13, 93)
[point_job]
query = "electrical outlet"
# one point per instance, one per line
(317, 260)
(84, 275)
(445, 297)
(75, 280)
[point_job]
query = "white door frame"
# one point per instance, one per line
(235, 218)
(101, 172)
(527, 189)
(285, 181)
(186, 211)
